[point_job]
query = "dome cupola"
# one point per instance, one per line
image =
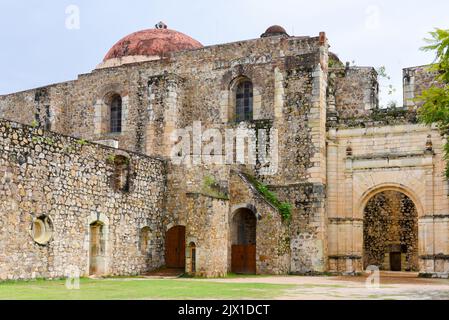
(274, 31)
(147, 45)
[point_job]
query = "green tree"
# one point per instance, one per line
(435, 108)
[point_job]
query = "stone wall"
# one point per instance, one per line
(272, 233)
(353, 91)
(159, 95)
(308, 235)
(391, 228)
(208, 229)
(417, 79)
(72, 183)
(336, 147)
(362, 162)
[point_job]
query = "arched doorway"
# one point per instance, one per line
(243, 235)
(97, 249)
(390, 232)
(175, 248)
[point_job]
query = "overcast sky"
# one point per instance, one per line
(38, 49)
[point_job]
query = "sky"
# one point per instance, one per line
(47, 41)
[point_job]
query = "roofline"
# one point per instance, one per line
(278, 37)
(40, 87)
(102, 146)
(420, 66)
(209, 47)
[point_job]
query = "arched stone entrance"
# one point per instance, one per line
(175, 248)
(243, 236)
(390, 231)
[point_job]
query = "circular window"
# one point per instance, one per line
(42, 230)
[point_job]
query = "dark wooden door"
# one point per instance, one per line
(395, 261)
(244, 259)
(175, 248)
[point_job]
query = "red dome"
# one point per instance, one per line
(274, 31)
(152, 42)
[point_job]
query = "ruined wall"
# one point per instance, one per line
(308, 236)
(417, 79)
(272, 233)
(353, 91)
(71, 182)
(290, 96)
(207, 227)
(44, 107)
(289, 76)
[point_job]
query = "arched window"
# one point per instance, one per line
(244, 101)
(116, 114)
(42, 230)
(192, 248)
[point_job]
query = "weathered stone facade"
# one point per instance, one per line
(71, 182)
(337, 150)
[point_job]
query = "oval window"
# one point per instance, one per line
(42, 230)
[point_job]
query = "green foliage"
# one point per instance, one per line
(212, 188)
(111, 159)
(284, 208)
(436, 106)
(49, 141)
(82, 142)
(37, 140)
(34, 124)
(435, 100)
(46, 140)
(334, 63)
(439, 43)
(382, 72)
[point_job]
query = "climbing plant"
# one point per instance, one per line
(212, 188)
(284, 208)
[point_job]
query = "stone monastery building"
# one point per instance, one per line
(88, 180)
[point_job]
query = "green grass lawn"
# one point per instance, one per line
(138, 289)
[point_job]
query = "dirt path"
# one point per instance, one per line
(396, 286)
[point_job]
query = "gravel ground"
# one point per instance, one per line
(393, 286)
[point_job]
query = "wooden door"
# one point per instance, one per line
(175, 248)
(244, 259)
(395, 261)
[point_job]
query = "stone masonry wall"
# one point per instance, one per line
(289, 76)
(417, 79)
(352, 91)
(70, 181)
(308, 241)
(207, 227)
(406, 158)
(272, 233)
